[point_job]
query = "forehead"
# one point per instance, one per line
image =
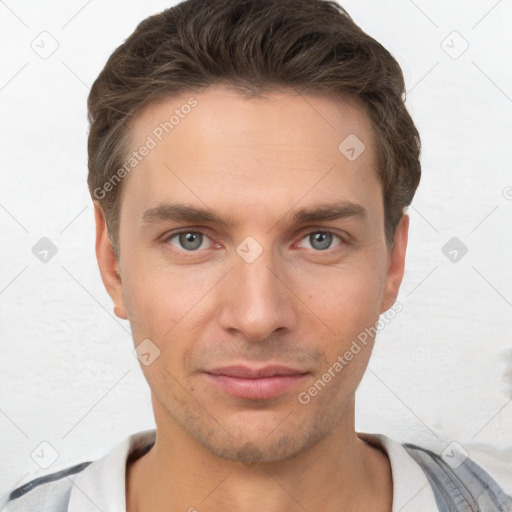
(274, 118)
(275, 149)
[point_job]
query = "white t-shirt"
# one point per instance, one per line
(101, 485)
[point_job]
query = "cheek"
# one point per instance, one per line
(347, 298)
(158, 296)
(148, 303)
(167, 308)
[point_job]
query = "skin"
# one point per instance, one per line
(254, 162)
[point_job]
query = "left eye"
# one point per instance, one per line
(321, 240)
(188, 240)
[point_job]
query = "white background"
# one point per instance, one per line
(441, 370)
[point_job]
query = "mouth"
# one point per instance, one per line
(255, 383)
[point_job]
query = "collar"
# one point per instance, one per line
(411, 489)
(102, 486)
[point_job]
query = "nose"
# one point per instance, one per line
(257, 300)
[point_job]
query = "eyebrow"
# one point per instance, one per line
(187, 213)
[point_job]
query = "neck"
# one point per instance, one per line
(180, 474)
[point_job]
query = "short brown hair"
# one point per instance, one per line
(311, 46)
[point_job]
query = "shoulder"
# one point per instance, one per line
(49, 492)
(441, 478)
(73, 487)
(456, 479)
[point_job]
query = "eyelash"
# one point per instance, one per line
(343, 240)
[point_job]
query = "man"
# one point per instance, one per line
(251, 163)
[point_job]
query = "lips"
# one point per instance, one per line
(255, 383)
(246, 372)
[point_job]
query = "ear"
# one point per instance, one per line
(396, 264)
(108, 263)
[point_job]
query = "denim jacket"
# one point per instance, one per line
(466, 488)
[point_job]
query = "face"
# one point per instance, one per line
(252, 256)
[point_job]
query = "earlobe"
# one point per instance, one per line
(108, 263)
(396, 264)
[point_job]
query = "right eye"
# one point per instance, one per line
(188, 241)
